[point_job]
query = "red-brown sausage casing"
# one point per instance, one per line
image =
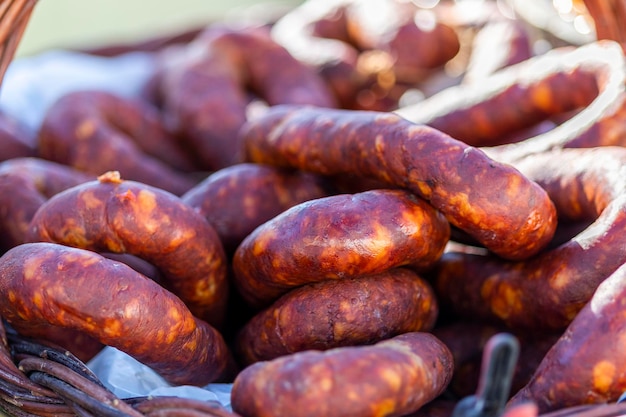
(391, 378)
(329, 314)
(337, 237)
(112, 215)
(47, 284)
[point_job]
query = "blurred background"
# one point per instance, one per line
(80, 23)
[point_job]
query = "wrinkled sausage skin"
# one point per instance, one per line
(96, 131)
(113, 215)
(391, 378)
(329, 314)
(206, 95)
(589, 78)
(336, 237)
(47, 284)
(239, 198)
(587, 365)
(25, 184)
(548, 290)
(512, 216)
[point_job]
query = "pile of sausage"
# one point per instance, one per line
(334, 210)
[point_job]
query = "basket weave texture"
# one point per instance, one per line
(14, 16)
(37, 379)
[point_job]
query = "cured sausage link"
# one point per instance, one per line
(338, 237)
(112, 215)
(548, 290)
(47, 284)
(391, 378)
(509, 214)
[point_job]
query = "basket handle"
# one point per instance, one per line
(14, 16)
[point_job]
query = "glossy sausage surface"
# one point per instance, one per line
(206, 95)
(587, 364)
(113, 215)
(329, 314)
(513, 216)
(239, 198)
(547, 291)
(25, 184)
(391, 378)
(588, 80)
(47, 284)
(96, 131)
(336, 237)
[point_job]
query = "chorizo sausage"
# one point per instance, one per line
(391, 378)
(113, 215)
(97, 131)
(25, 184)
(513, 217)
(239, 198)
(205, 94)
(414, 37)
(337, 237)
(330, 314)
(43, 285)
(587, 364)
(590, 77)
(16, 140)
(548, 290)
(365, 50)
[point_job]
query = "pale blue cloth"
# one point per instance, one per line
(127, 378)
(32, 84)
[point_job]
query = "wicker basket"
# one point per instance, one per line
(14, 16)
(39, 379)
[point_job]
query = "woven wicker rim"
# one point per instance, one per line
(38, 379)
(14, 16)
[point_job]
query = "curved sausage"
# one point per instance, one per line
(367, 49)
(587, 364)
(16, 140)
(391, 378)
(205, 94)
(337, 237)
(548, 290)
(113, 215)
(346, 312)
(46, 284)
(25, 184)
(513, 216)
(590, 77)
(97, 131)
(239, 198)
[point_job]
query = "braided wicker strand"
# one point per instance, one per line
(14, 16)
(38, 379)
